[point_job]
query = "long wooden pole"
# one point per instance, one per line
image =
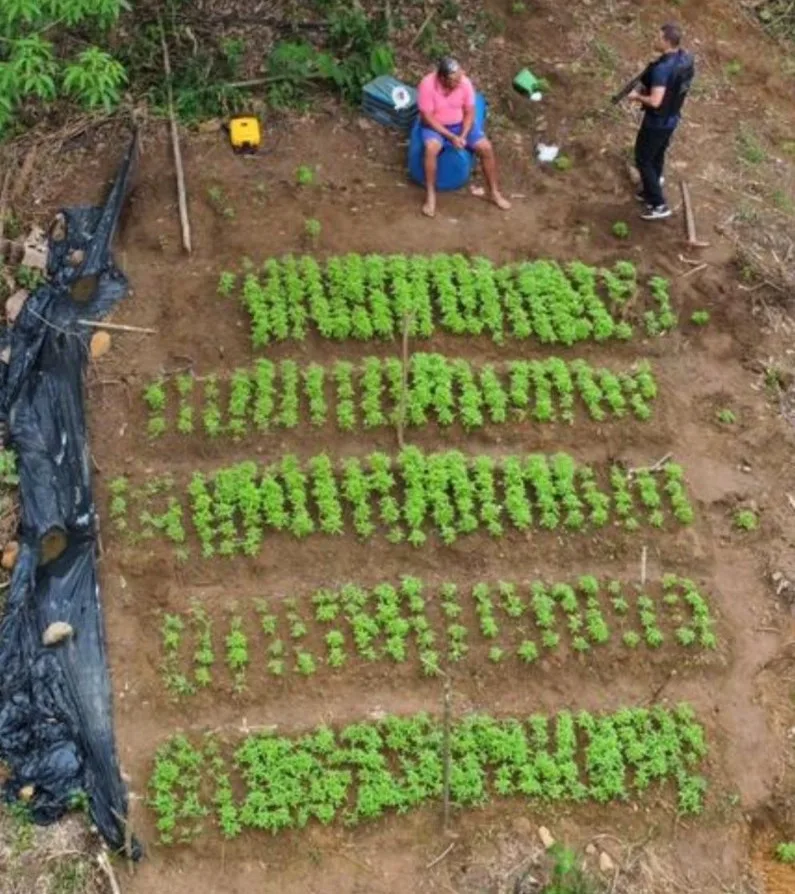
(446, 753)
(404, 379)
(181, 191)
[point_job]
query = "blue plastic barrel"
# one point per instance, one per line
(455, 166)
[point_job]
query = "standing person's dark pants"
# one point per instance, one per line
(650, 149)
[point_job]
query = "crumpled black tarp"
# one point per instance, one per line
(56, 731)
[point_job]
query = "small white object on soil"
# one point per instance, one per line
(606, 863)
(546, 837)
(57, 632)
(547, 153)
(537, 96)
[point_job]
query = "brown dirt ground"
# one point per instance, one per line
(364, 204)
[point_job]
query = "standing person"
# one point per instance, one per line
(665, 85)
(446, 100)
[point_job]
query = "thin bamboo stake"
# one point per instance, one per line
(181, 192)
(643, 557)
(446, 754)
(104, 865)
(118, 327)
(404, 380)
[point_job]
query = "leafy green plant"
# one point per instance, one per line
(726, 416)
(95, 80)
(746, 520)
(699, 317)
(312, 228)
(785, 852)
(621, 230)
(563, 163)
(304, 175)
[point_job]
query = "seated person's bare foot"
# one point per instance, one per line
(500, 201)
(429, 208)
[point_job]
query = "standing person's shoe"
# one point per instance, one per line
(658, 212)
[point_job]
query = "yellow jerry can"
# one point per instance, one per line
(244, 133)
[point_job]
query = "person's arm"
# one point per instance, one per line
(469, 111)
(654, 96)
(651, 100)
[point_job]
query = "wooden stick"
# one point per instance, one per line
(446, 754)
(694, 270)
(423, 26)
(181, 193)
(643, 557)
(441, 856)
(3, 203)
(404, 380)
(104, 865)
(118, 327)
(690, 220)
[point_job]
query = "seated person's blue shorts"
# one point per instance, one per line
(474, 137)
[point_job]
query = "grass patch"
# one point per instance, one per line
(749, 150)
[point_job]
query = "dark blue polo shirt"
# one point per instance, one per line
(662, 74)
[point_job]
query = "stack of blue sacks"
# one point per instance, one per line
(378, 102)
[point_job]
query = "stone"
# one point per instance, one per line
(10, 554)
(14, 305)
(35, 249)
(52, 544)
(606, 864)
(57, 632)
(590, 849)
(213, 125)
(100, 344)
(546, 837)
(76, 257)
(26, 793)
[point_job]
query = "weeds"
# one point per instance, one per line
(785, 852)
(726, 416)
(621, 230)
(745, 520)
(749, 150)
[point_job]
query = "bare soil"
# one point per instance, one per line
(364, 203)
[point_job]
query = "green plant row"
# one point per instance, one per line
(365, 770)
(409, 623)
(438, 390)
(375, 296)
(450, 493)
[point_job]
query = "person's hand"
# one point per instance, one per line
(459, 142)
(635, 96)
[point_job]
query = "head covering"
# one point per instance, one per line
(447, 67)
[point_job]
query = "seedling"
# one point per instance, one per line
(726, 416)
(312, 228)
(563, 163)
(621, 230)
(304, 175)
(785, 852)
(746, 520)
(699, 317)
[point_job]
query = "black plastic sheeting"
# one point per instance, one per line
(56, 730)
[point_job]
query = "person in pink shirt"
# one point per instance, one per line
(446, 100)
